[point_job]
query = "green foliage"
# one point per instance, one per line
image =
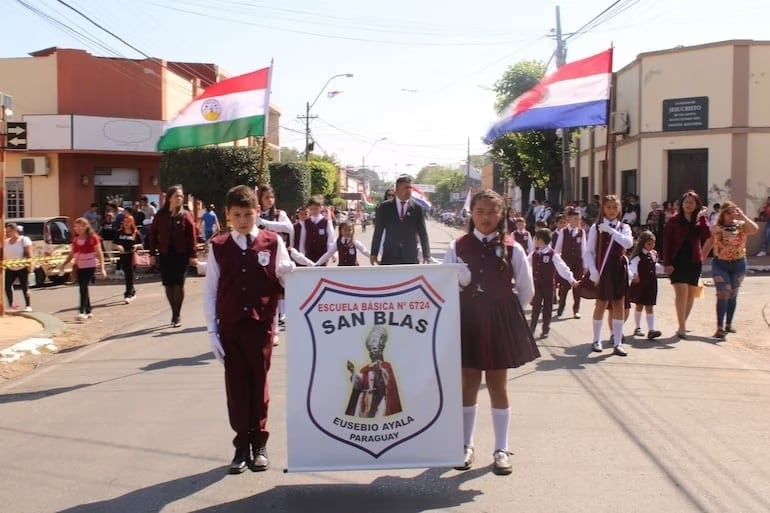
(323, 178)
(209, 172)
(433, 174)
(452, 181)
(290, 155)
(291, 181)
(339, 203)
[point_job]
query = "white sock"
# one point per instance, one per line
(469, 419)
(617, 332)
(650, 321)
(281, 307)
(638, 319)
(501, 418)
(597, 330)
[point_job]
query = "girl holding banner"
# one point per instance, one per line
(495, 335)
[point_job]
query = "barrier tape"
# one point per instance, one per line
(110, 257)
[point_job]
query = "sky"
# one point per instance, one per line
(422, 69)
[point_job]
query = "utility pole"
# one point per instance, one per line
(307, 117)
(566, 171)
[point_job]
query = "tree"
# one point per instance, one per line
(209, 172)
(324, 178)
(530, 158)
(453, 181)
(291, 182)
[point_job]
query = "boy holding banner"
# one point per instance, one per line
(244, 279)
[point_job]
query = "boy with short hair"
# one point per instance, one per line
(545, 264)
(317, 237)
(570, 245)
(244, 279)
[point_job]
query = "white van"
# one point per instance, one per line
(51, 236)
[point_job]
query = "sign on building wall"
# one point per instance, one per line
(373, 368)
(686, 114)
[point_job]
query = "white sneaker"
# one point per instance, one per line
(762, 253)
(27, 308)
(82, 316)
(596, 347)
(128, 299)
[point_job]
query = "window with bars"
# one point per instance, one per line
(14, 188)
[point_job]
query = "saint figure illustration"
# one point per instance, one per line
(375, 390)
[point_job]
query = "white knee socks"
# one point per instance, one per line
(651, 322)
(469, 419)
(597, 330)
(617, 332)
(638, 319)
(501, 418)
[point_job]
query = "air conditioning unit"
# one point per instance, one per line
(35, 166)
(619, 123)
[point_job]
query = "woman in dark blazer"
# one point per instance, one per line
(172, 247)
(684, 237)
(400, 221)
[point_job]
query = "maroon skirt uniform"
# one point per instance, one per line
(613, 281)
(494, 331)
(646, 291)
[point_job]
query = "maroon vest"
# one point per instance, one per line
(555, 238)
(247, 288)
(297, 234)
(315, 243)
(543, 270)
(484, 264)
(522, 238)
(272, 215)
(347, 253)
(572, 249)
(646, 269)
(603, 241)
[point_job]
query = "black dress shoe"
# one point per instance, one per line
(619, 351)
(260, 462)
(240, 461)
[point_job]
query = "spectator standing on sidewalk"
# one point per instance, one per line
(86, 252)
(17, 246)
(685, 234)
(127, 240)
(728, 267)
(173, 248)
(764, 215)
(93, 217)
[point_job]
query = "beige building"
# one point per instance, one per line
(686, 118)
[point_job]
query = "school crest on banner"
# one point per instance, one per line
(379, 366)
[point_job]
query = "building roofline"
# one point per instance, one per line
(680, 49)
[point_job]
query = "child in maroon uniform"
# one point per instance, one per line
(644, 284)
(545, 264)
(299, 221)
(317, 237)
(244, 279)
(570, 244)
(493, 329)
(522, 236)
(608, 240)
(347, 246)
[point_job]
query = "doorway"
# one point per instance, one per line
(688, 170)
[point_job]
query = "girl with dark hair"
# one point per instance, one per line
(605, 258)
(172, 243)
(494, 331)
(127, 241)
(728, 266)
(275, 220)
(87, 253)
(684, 237)
(644, 283)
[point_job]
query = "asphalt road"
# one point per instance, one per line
(137, 423)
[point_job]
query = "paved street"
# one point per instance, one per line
(137, 423)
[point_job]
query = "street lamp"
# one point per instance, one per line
(363, 159)
(310, 106)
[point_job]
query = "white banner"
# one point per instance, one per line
(373, 368)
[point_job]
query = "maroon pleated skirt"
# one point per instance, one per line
(495, 333)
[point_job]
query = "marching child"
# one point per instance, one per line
(545, 264)
(299, 221)
(522, 236)
(493, 329)
(559, 225)
(244, 279)
(570, 244)
(605, 255)
(347, 246)
(317, 237)
(644, 283)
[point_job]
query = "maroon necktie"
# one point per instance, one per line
(403, 210)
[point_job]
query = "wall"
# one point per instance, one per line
(100, 86)
(45, 200)
(627, 95)
(758, 179)
(683, 74)
(759, 86)
(177, 92)
(32, 83)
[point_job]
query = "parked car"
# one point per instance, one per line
(50, 236)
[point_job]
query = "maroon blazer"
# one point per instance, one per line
(678, 233)
(168, 232)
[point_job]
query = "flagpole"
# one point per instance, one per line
(262, 159)
(263, 150)
(607, 168)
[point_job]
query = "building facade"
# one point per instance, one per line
(686, 118)
(92, 124)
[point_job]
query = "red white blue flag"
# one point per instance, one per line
(577, 94)
(419, 197)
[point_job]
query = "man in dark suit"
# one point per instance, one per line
(401, 219)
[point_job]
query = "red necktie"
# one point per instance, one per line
(403, 208)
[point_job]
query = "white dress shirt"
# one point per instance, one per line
(569, 231)
(330, 253)
(558, 262)
(283, 265)
(281, 225)
(621, 234)
(522, 270)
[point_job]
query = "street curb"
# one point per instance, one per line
(52, 325)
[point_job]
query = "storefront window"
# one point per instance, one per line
(15, 194)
